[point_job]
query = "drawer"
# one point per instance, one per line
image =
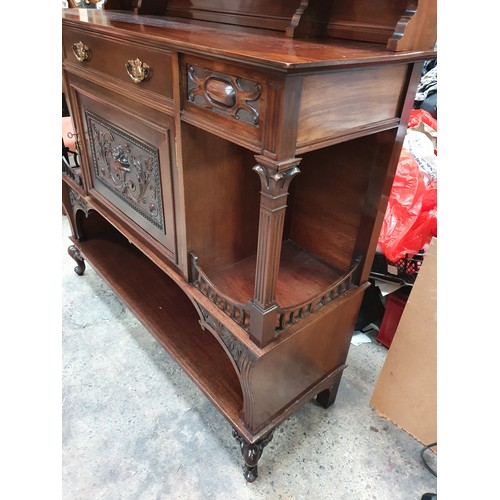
(133, 64)
(225, 99)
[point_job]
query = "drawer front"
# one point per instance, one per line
(132, 64)
(130, 161)
(226, 99)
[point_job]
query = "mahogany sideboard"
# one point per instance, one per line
(234, 172)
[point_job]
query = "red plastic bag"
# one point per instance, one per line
(411, 216)
(420, 115)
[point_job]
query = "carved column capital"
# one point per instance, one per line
(275, 178)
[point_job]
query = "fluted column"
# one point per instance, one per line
(275, 178)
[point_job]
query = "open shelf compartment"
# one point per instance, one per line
(331, 209)
(165, 310)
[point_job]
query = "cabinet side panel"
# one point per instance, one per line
(285, 373)
(342, 102)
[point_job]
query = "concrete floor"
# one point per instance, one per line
(136, 427)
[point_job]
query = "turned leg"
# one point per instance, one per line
(327, 397)
(77, 256)
(251, 454)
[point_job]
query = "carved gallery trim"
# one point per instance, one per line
(290, 315)
(285, 316)
(238, 312)
(128, 167)
(226, 94)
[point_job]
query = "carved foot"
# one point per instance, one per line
(77, 256)
(251, 454)
(327, 397)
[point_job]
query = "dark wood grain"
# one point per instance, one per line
(147, 136)
(335, 103)
(328, 199)
(221, 199)
(271, 51)
(102, 46)
(233, 197)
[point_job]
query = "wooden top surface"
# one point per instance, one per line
(271, 50)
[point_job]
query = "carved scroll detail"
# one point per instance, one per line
(402, 24)
(241, 355)
(77, 201)
(227, 94)
(128, 167)
(310, 19)
(244, 359)
(75, 254)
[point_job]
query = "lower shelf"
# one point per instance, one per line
(165, 310)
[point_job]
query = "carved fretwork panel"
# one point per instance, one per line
(77, 201)
(242, 356)
(128, 167)
(226, 94)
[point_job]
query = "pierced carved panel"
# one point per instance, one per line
(226, 94)
(241, 355)
(128, 167)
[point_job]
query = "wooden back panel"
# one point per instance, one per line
(274, 15)
(399, 24)
(328, 206)
(365, 20)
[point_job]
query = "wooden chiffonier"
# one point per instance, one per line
(235, 168)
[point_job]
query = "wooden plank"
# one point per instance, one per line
(406, 390)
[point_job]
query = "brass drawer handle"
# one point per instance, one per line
(81, 51)
(137, 70)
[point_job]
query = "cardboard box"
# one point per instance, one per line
(406, 390)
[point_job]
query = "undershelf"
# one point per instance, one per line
(164, 309)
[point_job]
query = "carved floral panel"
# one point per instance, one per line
(128, 167)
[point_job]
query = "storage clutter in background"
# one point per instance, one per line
(410, 219)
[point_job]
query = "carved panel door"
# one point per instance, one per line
(130, 153)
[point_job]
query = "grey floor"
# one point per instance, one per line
(136, 427)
